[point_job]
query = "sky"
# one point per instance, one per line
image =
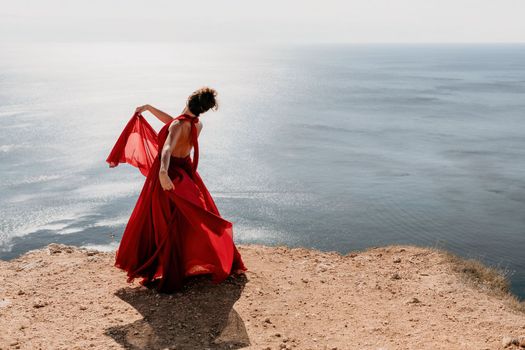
(265, 21)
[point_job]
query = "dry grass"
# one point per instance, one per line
(493, 280)
(490, 279)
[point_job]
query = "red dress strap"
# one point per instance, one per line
(194, 138)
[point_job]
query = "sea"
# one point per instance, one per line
(328, 146)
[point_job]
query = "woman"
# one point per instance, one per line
(175, 229)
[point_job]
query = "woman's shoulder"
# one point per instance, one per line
(176, 124)
(184, 124)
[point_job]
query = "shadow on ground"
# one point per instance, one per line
(201, 316)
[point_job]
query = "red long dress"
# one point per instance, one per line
(177, 233)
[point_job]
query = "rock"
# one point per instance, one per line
(322, 268)
(54, 248)
(414, 300)
(39, 303)
(518, 341)
(521, 341)
(395, 276)
(397, 260)
(267, 320)
(508, 341)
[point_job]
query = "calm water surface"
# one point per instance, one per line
(336, 147)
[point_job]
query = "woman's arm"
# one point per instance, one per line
(174, 132)
(162, 116)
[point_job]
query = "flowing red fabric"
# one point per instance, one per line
(171, 234)
(137, 145)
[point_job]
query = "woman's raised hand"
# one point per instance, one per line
(141, 109)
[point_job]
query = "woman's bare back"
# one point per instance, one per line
(183, 145)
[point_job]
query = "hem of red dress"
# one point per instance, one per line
(216, 276)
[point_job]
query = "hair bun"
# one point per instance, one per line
(202, 100)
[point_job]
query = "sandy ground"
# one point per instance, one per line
(397, 297)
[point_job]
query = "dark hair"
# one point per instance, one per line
(202, 100)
